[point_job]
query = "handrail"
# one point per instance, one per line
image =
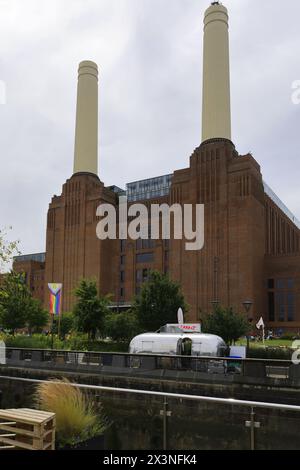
(228, 401)
(114, 353)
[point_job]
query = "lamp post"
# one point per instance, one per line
(247, 304)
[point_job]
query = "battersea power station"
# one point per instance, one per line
(251, 253)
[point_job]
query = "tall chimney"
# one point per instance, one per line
(86, 134)
(216, 115)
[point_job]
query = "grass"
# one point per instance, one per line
(77, 418)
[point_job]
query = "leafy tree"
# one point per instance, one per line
(7, 249)
(36, 316)
(90, 309)
(13, 302)
(17, 307)
(121, 326)
(227, 324)
(66, 325)
(158, 302)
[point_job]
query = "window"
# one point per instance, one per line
(144, 258)
(280, 304)
(271, 306)
(146, 274)
(281, 300)
(122, 292)
(122, 276)
(142, 275)
(123, 246)
(291, 306)
(122, 260)
(139, 244)
(148, 243)
(144, 244)
(280, 284)
(137, 290)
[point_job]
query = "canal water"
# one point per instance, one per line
(136, 423)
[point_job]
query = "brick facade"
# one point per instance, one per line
(249, 241)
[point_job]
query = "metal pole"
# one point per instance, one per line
(165, 421)
(52, 325)
(58, 331)
(252, 424)
(165, 414)
(252, 431)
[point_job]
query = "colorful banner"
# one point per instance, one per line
(55, 298)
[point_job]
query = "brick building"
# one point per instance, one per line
(252, 241)
(33, 267)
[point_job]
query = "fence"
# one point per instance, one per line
(251, 424)
(151, 364)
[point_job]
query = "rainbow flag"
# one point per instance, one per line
(55, 298)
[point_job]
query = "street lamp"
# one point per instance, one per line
(247, 304)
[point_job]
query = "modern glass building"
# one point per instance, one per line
(149, 188)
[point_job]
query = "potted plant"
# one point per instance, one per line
(79, 420)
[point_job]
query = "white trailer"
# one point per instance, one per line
(196, 344)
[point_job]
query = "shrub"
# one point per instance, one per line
(37, 341)
(76, 342)
(226, 323)
(282, 353)
(291, 336)
(121, 327)
(77, 417)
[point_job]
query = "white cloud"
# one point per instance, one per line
(150, 58)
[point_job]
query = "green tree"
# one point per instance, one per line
(158, 302)
(36, 316)
(90, 309)
(17, 307)
(13, 302)
(66, 325)
(7, 249)
(227, 324)
(121, 326)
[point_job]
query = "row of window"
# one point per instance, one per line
(142, 244)
(141, 275)
(281, 300)
(281, 306)
(140, 258)
(281, 284)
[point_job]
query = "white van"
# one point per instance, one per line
(196, 344)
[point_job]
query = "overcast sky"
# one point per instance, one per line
(150, 57)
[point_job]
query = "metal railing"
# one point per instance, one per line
(252, 424)
(185, 366)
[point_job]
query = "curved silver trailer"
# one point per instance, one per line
(196, 344)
